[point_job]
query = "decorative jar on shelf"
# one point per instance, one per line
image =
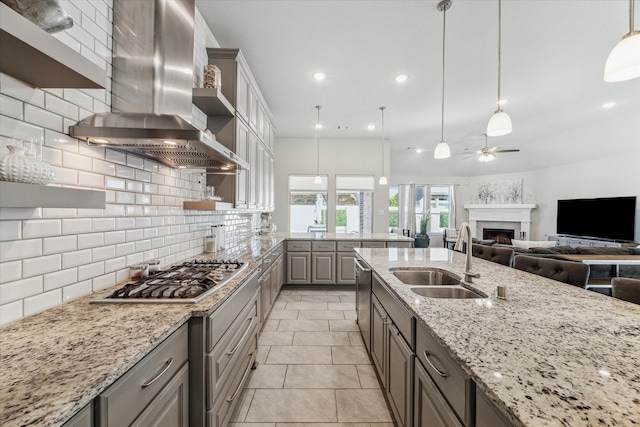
(16, 166)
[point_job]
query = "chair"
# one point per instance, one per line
(449, 237)
(626, 289)
(499, 255)
(571, 272)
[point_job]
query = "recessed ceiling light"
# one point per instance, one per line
(371, 127)
(608, 104)
(418, 150)
(318, 126)
(319, 75)
(401, 78)
(502, 101)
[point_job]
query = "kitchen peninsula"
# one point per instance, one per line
(550, 354)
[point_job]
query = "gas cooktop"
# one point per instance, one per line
(187, 283)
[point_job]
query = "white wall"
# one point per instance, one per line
(337, 157)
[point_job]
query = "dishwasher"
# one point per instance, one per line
(363, 300)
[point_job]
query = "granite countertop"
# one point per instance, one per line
(54, 363)
(551, 354)
(390, 237)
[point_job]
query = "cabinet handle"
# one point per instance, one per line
(250, 320)
(267, 260)
(167, 365)
(438, 371)
(244, 377)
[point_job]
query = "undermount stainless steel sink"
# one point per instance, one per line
(452, 292)
(427, 277)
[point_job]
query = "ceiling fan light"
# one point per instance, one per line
(499, 124)
(486, 157)
(623, 62)
(442, 151)
(383, 180)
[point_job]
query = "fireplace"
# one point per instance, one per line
(498, 235)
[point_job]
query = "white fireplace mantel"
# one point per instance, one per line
(503, 213)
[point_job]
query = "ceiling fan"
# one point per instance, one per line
(486, 153)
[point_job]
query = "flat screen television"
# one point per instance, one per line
(607, 218)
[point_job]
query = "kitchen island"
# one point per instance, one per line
(54, 363)
(551, 354)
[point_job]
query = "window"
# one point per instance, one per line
(307, 204)
(354, 203)
(420, 208)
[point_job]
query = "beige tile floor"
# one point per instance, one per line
(313, 369)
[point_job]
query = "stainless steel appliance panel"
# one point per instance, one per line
(363, 300)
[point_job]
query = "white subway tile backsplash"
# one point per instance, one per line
(54, 245)
(78, 98)
(133, 259)
(11, 107)
(150, 188)
(10, 271)
(91, 213)
(100, 107)
(114, 237)
(60, 278)
(134, 210)
(13, 128)
(143, 245)
(124, 197)
(76, 258)
(41, 228)
(143, 199)
(38, 303)
(76, 225)
(41, 117)
(76, 290)
(125, 172)
(104, 168)
(157, 178)
(60, 141)
(103, 224)
(10, 312)
(65, 176)
(116, 183)
(157, 242)
(115, 264)
(90, 271)
(93, 151)
(20, 90)
(103, 282)
(115, 210)
(150, 166)
(133, 235)
(116, 157)
(20, 213)
(10, 230)
(125, 223)
(50, 213)
(20, 289)
(135, 186)
(91, 240)
(52, 156)
(76, 161)
(125, 249)
(41, 265)
(60, 106)
(20, 249)
(143, 176)
(135, 161)
(157, 200)
(99, 34)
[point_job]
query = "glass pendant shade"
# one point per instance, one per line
(383, 180)
(317, 179)
(623, 62)
(499, 124)
(442, 151)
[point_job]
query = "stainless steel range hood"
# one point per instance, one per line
(152, 89)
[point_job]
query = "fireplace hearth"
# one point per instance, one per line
(498, 235)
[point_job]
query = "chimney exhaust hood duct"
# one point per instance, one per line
(152, 90)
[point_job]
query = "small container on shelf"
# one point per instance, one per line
(212, 77)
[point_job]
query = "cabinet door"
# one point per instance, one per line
(275, 279)
(242, 93)
(84, 418)
(399, 379)
(170, 408)
(323, 268)
(299, 268)
(487, 415)
(265, 292)
(260, 177)
(346, 268)
(254, 102)
(242, 146)
(430, 409)
(378, 332)
(253, 151)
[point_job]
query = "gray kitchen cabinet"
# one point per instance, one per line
(487, 415)
(84, 418)
(265, 290)
(399, 244)
(276, 277)
(222, 348)
(370, 244)
(430, 409)
(346, 273)
(323, 268)
(298, 268)
(393, 357)
(140, 396)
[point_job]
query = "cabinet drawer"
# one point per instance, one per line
(121, 403)
(223, 317)
(399, 315)
(226, 352)
(347, 246)
(84, 418)
(399, 244)
(323, 246)
(373, 244)
(454, 384)
(298, 246)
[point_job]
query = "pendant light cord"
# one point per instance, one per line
(499, 47)
(318, 142)
(444, 25)
(631, 29)
(382, 113)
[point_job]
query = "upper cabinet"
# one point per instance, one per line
(32, 55)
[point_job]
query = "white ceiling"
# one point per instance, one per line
(553, 56)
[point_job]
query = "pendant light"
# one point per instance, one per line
(442, 150)
(500, 122)
(318, 178)
(383, 178)
(623, 62)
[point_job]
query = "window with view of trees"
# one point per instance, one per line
(354, 203)
(429, 209)
(307, 204)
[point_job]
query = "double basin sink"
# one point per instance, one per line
(435, 283)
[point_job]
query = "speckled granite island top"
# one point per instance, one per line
(551, 354)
